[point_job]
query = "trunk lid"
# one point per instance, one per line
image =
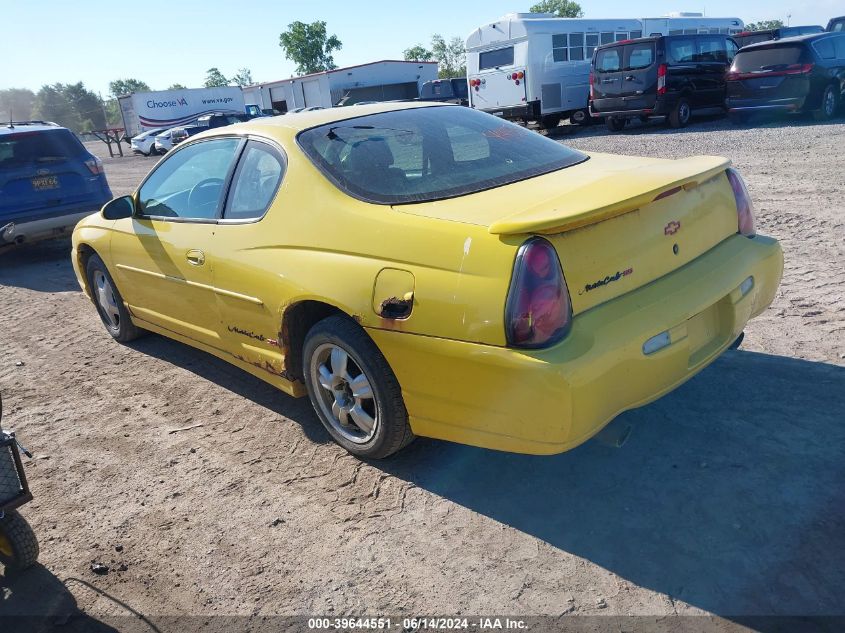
(617, 222)
(632, 226)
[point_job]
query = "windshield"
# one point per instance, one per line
(763, 59)
(44, 146)
(424, 154)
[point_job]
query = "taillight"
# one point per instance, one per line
(744, 206)
(95, 165)
(538, 312)
(592, 86)
(661, 79)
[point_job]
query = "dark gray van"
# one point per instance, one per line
(665, 76)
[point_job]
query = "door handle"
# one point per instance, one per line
(630, 78)
(195, 257)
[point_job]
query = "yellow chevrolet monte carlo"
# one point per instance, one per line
(430, 270)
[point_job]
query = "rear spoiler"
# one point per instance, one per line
(615, 194)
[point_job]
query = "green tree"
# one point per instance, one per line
(17, 104)
(243, 77)
(418, 53)
(561, 8)
(120, 87)
(764, 25)
(214, 79)
(450, 55)
(176, 87)
(309, 46)
(71, 105)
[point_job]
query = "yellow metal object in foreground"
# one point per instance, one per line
(647, 247)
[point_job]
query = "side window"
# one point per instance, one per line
(710, 49)
(592, 42)
(576, 46)
(826, 48)
(839, 42)
(190, 182)
(256, 181)
(607, 38)
(560, 47)
(731, 48)
(681, 51)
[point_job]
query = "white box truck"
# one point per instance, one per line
(170, 108)
(536, 67)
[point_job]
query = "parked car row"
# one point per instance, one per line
(673, 76)
(161, 140)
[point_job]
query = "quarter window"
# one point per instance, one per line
(190, 182)
(256, 181)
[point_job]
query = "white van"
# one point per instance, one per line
(536, 67)
(690, 24)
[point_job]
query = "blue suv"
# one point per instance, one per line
(48, 181)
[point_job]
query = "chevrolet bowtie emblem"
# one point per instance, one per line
(673, 227)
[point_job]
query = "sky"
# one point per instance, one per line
(163, 42)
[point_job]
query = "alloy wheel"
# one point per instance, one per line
(106, 299)
(344, 393)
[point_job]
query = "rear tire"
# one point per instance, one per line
(581, 117)
(153, 151)
(680, 115)
(829, 105)
(109, 303)
(18, 544)
(550, 122)
(353, 389)
(615, 124)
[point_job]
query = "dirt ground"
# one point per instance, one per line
(728, 499)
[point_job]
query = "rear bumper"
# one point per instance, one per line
(549, 401)
(660, 108)
(790, 104)
(530, 111)
(46, 223)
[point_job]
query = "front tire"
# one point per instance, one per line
(109, 303)
(680, 115)
(353, 390)
(18, 545)
(829, 105)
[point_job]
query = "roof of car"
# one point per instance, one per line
(28, 126)
(795, 39)
(299, 121)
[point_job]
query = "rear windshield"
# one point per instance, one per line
(425, 154)
(493, 59)
(628, 57)
(770, 58)
(45, 146)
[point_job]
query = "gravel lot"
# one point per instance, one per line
(728, 498)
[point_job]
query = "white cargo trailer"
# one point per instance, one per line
(536, 67)
(384, 80)
(169, 108)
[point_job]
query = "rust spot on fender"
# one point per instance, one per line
(394, 308)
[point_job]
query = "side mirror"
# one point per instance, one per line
(119, 208)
